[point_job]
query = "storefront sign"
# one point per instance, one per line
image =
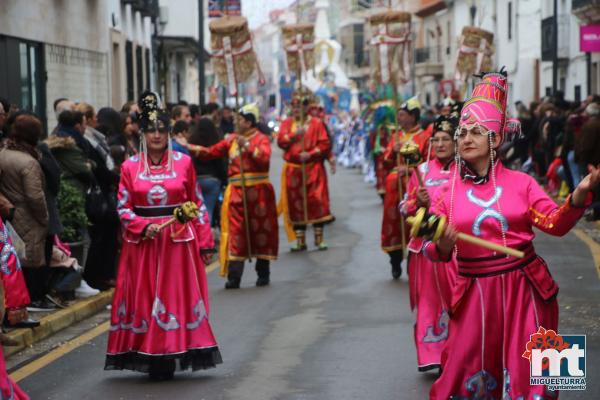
(589, 38)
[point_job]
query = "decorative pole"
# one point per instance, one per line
(234, 60)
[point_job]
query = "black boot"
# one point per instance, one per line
(263, 272)
(234, 275)
(396, 261)
(233, 283)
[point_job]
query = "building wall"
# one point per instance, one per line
(76, 53)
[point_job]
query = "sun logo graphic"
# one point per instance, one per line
(557, 361)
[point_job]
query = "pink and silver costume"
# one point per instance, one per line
(160, 308)
(498, 301)
(429, 282)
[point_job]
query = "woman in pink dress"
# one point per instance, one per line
(15, 292)
(430, 282)
(498, 301)
(160, 307)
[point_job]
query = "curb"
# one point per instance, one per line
(58, 321)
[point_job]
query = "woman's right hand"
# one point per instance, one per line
(447, 241)
(151, 231)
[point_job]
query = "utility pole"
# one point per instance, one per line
(201, 52)
(555, 49)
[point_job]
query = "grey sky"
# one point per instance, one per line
(257, 11)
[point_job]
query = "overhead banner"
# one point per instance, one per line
(589, 38)
(220, 8)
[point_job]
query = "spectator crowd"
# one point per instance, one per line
(58, 191)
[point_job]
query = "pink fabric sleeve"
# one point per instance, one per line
(133, 225)
(438, 207)
(16, 294)
(549, 217)
(202, 223)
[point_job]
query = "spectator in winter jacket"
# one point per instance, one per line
(23, 184)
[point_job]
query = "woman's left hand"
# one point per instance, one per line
(591, 180)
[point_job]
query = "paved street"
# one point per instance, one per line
(332, 325)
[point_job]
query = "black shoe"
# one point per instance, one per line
(262, 281)
(396, 271)
(232, 284)
(26, 323)
(41, 306)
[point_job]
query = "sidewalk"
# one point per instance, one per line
(53, 322)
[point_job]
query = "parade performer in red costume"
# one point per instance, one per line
(391, 230)
(429, 282)
(304, 190)
(383, 120)
(249, 213)
(160, 307)
(498, 301)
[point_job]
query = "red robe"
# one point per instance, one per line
(318, 145)
(381, 170)
(260, 200)
(391, 231)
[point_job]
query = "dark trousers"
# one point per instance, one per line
(303, 227)
(236, 269)
(396, 257)
(37, 278)
(100, 265)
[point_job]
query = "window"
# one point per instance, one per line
(129, 65)
(577, 92)
(358, 40)
(147, 56)
(509, 20)
(139, 69)
(449, 38)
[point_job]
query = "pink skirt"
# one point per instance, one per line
(160, 308)
(8, 388)
(430, 293)
(491, 322)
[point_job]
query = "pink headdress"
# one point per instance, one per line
(487, 107)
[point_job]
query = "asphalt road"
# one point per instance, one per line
(332, 325)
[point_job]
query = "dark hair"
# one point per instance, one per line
(58, 101)
(204, 133)
(182, 103)
(177, 111)
(209, 108)
(415, 112)
(24, 126)
(127, 106)
(69, 119)
(194, 110)
(109, 122)
(5, 104)
(250, 118)
(180, 126)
